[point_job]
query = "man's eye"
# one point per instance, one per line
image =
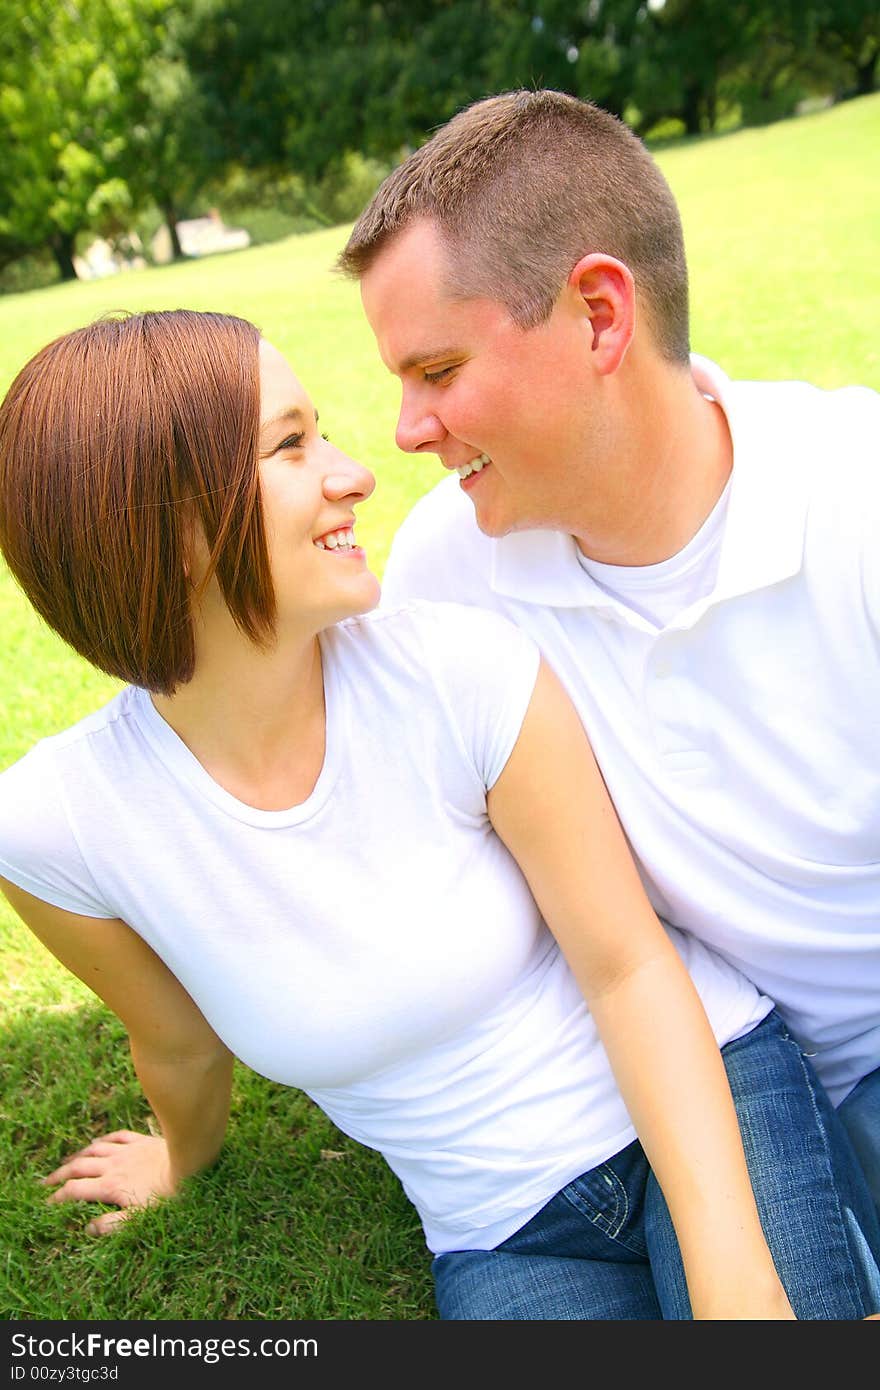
(438, 376)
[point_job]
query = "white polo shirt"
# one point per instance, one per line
(740, 741)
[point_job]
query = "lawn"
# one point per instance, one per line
(295, 1221)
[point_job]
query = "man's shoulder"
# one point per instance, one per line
(826, 440)
(439, 551)
(850, 413)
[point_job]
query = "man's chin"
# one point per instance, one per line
(490, 523)
(496, 526)
(490, 527)
(495, 523)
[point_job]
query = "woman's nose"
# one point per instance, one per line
(346, 478)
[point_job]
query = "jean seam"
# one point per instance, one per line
(855, 1289)
(588, 1209)
(583, 1203)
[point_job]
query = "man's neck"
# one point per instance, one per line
(669, 471)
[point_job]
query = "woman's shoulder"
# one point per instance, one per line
(39, 846)
(437, 622)
(471, 663)
(53, 748)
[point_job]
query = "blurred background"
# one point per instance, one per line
(141, 131)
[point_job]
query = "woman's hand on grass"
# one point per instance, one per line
(123, 1169)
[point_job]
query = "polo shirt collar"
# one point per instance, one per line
(542, 567)
(767, 511)
(764, 532)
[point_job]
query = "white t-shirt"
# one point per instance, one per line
(660, 592)
(376, 946)
(741, 741)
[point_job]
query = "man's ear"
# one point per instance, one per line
(607, 294)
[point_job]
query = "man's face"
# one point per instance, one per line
(477, 387)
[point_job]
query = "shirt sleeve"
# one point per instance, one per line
(859, 417)
(871, 584)
(485, 670)
(38, 850)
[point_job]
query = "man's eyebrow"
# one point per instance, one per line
(418, 359)
(291, 412)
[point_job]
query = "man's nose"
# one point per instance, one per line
(418, 428)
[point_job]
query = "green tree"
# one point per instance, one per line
(592, 49)
(696, 48)
(295, 87)
(247, 59)
(847, 33)
(69, 97)
(175, 147)
(758, 55)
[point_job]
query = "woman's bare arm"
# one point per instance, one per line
(184, 1068)
(551, 809)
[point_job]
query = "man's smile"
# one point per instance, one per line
(475, 466)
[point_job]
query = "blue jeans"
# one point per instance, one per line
(605, 1248)
(860, 1113)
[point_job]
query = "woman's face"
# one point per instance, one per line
(309, 490)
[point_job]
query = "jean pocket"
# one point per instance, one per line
(605, 1200)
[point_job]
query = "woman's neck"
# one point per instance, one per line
(254, 717)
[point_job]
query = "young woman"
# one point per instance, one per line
(370, 854)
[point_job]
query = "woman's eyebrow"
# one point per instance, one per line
(292, 412)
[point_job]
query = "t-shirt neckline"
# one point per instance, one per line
(183, 765)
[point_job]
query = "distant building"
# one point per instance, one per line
(101, 258)
(199, 236)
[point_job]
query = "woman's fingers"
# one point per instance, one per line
(88, 1163)
(81, 1166)
(104, 1147)
(80, 1190)
(101, 1187)
(103, 1225)
(123, 1169)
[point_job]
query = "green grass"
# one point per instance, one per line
(293, 1221)
(781, 230)
(296, 1221)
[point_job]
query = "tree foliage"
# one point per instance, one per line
(69, 102)
(110, 106)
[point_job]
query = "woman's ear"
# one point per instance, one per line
(194, 550)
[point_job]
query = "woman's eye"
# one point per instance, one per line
(293, 441)
(325, 436)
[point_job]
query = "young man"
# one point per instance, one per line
(698, 558)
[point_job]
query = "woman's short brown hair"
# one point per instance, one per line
(116, 441)
(521, 186)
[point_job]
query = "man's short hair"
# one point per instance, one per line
(520, 187)
(118, 442)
